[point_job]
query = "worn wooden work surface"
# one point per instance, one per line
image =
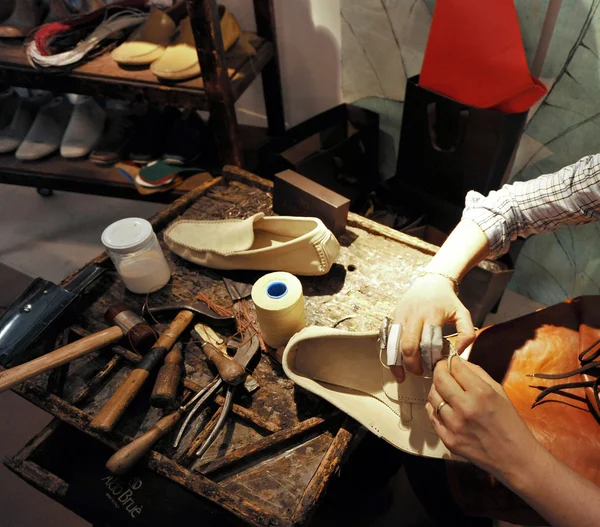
(281, 486)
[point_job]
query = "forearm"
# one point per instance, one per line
(466, 246)
(559, 494)
(570, 196)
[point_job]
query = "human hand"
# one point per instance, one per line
(430, 301)
(478, 421)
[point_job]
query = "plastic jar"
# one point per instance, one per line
(136, 253)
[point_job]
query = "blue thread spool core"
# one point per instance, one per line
(277, 290)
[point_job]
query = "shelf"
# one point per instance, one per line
(84, 177)
(102, 76)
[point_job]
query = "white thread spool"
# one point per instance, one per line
(279, 307)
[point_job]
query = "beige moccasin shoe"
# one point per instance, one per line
(148, 42)
(302, 246)
(180, 60)
(345, 369)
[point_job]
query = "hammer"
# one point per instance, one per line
(108, 416)
(126, 323)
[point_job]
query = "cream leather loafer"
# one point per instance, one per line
(345, 368)
(148, 42)
(180, 60)
(302, 246)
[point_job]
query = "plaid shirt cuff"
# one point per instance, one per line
(491, 223)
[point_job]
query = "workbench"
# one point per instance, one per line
(303, 440)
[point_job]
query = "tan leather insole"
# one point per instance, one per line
(265, 239)
(353, 362)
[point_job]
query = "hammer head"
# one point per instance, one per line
(136, 330)
(202, 312)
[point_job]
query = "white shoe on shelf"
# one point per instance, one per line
(46, 133)
(85, 128)
(13, 134)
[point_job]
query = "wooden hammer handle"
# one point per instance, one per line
(108, 416)
(167, 382)
(175, 329)
(125, 458)
(64, 355)
(230, 371)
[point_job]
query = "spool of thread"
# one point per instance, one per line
(279, 307)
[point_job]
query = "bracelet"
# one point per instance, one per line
(451, 278)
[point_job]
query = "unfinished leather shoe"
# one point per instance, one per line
(344, 368)
(85, 128)
(13, 134)
(25, 16)
(187, 140)
(147, 43)
(9, 100)
(47, 130)
(113, 144)
(150, 135)
(302, 246)
(180, 60)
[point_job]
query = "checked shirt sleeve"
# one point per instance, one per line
(570, 196)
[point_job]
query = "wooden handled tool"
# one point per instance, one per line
(168, 379)
(127, 323)
(115, 407)
(125, 458)
(230, 371)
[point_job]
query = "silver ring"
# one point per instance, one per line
(439, 407)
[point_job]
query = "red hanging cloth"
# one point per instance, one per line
(475, 56)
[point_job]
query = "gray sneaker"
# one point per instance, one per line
(47, 130)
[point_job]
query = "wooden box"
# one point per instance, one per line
(296, 195)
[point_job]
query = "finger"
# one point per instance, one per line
(410, 344)
(435, 400)
(449, 389)
(398, 372)
(465, 328)
(438, 425)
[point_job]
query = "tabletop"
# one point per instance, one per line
(272, 462)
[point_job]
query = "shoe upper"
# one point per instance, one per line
(117, 136)
(181, 55)
(345, 368)
(9, 101)
(180, 60)
(48, 128)
(302, 246)
(85, 128)
(148, 42)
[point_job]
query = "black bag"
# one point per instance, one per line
(448, 148)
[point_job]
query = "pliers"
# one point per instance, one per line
(245, 353)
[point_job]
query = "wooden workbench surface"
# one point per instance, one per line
(282, 486)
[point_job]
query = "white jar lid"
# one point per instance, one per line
(127, 235)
